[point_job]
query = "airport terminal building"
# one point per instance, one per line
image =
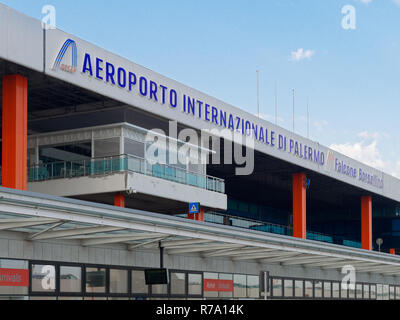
(88, 204)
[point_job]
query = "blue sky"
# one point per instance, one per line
(352, 77)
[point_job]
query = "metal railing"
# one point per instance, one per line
(109, 165)
(226, 219)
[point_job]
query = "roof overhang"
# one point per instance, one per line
(43, 217)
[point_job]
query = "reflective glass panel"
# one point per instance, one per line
(359, 291)
(318, 289)
(298, 288)
(14, 264)
(276, 287)
(327, 290)
(138, 282)
(372, 290)
(308, 287)
(335, 290)
(194, 284)
(288, 288)
(118, 281)
(239, 286)
(95, 280)
(225, 294)
(43, 278)
(253, 287)
(178, 283)
(70, 279)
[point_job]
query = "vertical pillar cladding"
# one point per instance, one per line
(197, 216)
(299, 205)
(14, 131)
(366, 222)
(119, 200)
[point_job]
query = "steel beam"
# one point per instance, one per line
(120, 239)
(190, 249)
(76, 231)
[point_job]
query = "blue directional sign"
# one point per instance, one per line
(194, 207)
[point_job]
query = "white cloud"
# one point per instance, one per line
(301, 54)
(368, 135)
(396, 2)
(367, 151)
(320, 125)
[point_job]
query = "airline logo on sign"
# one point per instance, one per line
(194, 207)
(218, 285)
(68, 48)
(14, 277)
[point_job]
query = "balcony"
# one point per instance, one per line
(122, 163)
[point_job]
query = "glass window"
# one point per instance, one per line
(31, 156)
(335, 290)
(359, 291)
(372, 290)
(308, 289)
(253, 286)
(210, 275)
(288, 288)
(194, 284)
(327, 290)
(385, 292)
(138, 282)
(79, 150)
(397, 292)
(159, 289)
(239, 286)
(298, 288)
(70, 279)
(118, 281)
(352, 292)
(22, 274)
(134, 148)
(95, 280)
(107, 147)
(366, 291)
(43, 278)
(391, 292)
(178, 283)
(379, 291)
(226, 294)
(343, 292)
(276, 287)
(317, 289)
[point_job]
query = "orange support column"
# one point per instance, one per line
(200, 215)
(15, 126)
(366, 222)
(119, 200)
(299, 205)
(197, 216)
(191, 216)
